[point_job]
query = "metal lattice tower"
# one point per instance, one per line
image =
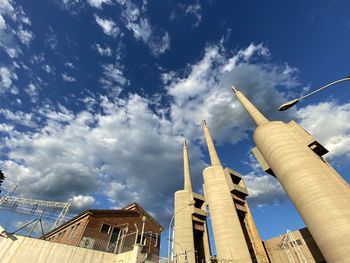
(37, 203)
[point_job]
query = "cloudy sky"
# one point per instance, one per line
(98, 95)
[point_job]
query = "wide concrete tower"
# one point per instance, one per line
(190, 228)
(229, 236)
(318, 192)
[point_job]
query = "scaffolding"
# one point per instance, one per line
(289, 240)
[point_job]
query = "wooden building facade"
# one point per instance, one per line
(114, 231)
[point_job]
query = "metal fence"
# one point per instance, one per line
(124, 243)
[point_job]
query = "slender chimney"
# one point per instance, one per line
(253, 112)
(228, 234)
(214, 158)
(187, 173)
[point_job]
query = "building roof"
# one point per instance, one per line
(136, 206)
(131, 209)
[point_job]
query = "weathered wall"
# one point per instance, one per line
(23, 249)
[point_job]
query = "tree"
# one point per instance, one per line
(2, 177)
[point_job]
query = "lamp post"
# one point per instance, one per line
(144, 219)
(171, 222)
(291, 103)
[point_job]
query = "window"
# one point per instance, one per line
(105, 228)
(72, 231)
(298, 241)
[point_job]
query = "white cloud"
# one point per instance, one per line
(62, 115)
(98, 3)
(7, 8)
(6, 78)
(81, 202)
(113, 78)
(47, 68)
(51, 39)
(158, 43)
(6, 128)
(263, 189)
(108, 26)
(120, 193)
(8, 42)
(244, 55)
(38, 58)
(136, 21)
(16, 13)
(106, 51)
(19, 117)
(68, 78)
(12, 52)
(32, 91)
(336, 138)
(141, 30)
(195, 10)
(204, 92)
(108, 153)
(71, 6)
(69, 65)
(2, 23)
(25, 36)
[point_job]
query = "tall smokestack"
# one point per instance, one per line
(187, 173)
(214, 158)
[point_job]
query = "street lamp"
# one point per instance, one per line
(291, 103)
(171, 222)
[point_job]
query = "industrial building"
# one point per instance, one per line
(294, 157)
(190, 227)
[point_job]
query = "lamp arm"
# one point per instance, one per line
(325, 86)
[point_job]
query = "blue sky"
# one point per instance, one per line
(98, 95)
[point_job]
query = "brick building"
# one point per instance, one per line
(114, 231)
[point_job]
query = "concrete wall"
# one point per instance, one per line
(16, 249)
